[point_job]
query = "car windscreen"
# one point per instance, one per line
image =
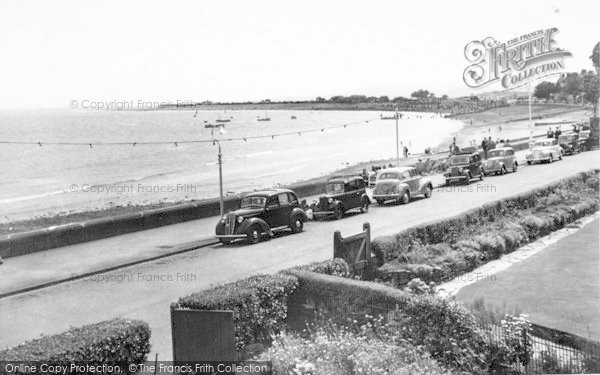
(334, 188)
(459, 160)
(387, 176)
(253, 202)
(564, 139)
(495, 153)
(543, 144)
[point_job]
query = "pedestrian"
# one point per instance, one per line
(550, 133)
(484, 147)
(557, 133)
(491, 144)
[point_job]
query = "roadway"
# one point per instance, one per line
(144, 291)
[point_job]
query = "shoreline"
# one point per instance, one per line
(474, 125)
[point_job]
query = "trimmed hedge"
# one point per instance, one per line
(109, 342)
(445, 328)
(259, 305)
(336, 267)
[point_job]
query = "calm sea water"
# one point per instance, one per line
(50, 179)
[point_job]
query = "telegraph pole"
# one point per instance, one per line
(397, 144)
(220, 159)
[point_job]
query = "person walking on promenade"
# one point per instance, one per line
(550, 133)
(557, 132)
(491, 143)
(484, 147)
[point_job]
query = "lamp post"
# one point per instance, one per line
(397, 144)
(220, 159)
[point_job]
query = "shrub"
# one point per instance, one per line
(109, 342)
(259, 305)
(384, 247)
(593, 183)
(335, 267)
(337, 351)
(533, 225)
(492, 244)
(443, 327)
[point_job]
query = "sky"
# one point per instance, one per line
(57, 51)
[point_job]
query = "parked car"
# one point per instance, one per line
(464, 167)
(399, 185)
(342, 194)
(544, 150)
(262, 213)
(570, 143)
(500, 160)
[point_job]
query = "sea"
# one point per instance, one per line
(41, 179)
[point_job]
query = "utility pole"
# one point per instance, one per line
(530, 120)
(220, 159)
(397, 144)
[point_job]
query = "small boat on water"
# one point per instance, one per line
(266, 118)
(210, 126)
(223, 120)
(294, 117)
(393, 117)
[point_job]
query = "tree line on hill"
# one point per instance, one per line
(574, 87)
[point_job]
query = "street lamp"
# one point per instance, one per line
(397, 145)
(214, 140)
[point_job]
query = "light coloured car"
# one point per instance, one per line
(500, 160)
(544, 150)
(400, 185)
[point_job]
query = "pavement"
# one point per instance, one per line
(146, 289)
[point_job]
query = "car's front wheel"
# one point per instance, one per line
(380, 202)
(297, 225)
(225, 242)
(405, 198)
(254, 234)
(428, 191)
(365, 206)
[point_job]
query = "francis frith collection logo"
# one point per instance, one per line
(516, 62)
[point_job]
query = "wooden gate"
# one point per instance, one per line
(356, 251)
(202, 335)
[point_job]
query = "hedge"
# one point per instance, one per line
(335, 266)
(259, 305)
(109, 342)
(445, 328)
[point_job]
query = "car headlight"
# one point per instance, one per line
(240, 219)
(223, 219)
(330, 200)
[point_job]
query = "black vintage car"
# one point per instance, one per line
(570, 143)
(262, 214)
(342, 194)
(464, 167)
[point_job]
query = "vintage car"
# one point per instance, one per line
(399, 185)
(464, 167)
(570, 143)
(544, 150)
(262, 213)
(500, 160)
(342, 194)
